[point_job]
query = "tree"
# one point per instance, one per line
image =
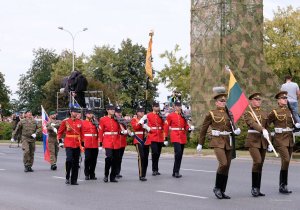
(176, 74)
(4, 96)
(281, 42)
(31, 83)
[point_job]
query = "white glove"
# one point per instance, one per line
(131, 133)
(142, 120)
(266, 134)
(124, 132)
(237, 131)
(297, 125)
(146, 127)
(270, 148)
(191, 128)
(33, 135)
(53, 124)
(55, 130)
(199, 148)
(61, 145)
(166, 143)
(12, 140)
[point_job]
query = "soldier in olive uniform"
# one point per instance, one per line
(284, 140)
(219, 122)
(28, 128)
(52, 127)
(256, 140)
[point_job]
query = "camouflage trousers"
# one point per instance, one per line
(28, 152)
(53, 149)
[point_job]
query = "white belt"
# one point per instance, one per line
(253, 131)
(280, 130)
(90, 134)
(110, 133)
(220, 133)
(156, 128)
(139, 132)
(177, 129)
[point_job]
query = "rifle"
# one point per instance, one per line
(233, 127)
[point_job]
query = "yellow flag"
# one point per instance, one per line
(148, 65)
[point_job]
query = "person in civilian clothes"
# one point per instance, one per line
(154, 127)
(142, 150)
(109, 131)
(89, 134)
(71, 127)
(178, 127)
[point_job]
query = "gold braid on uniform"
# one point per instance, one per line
(258, 116)
(279, 117)
(214, 118)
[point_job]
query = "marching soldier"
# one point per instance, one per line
(178, 127)
(89, 134)
(28, 128)
(220, 141)
(284, 139)
(71, 127)
(52, 127)
(142, 148)
(123, 137)
(154, 127)
(109, 131)
(256, 140)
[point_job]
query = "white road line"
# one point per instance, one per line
(187, 169)
(2, 169)
(280, 200)
(59, 177)
(181, 194)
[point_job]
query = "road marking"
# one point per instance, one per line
(187, 169)
(181, 194)
(2, 169)
(59, 177)
(281, 200)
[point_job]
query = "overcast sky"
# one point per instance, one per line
(32, 24)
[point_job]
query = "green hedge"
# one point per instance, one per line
(5, 130)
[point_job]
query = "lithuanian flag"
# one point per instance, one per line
(237, 101)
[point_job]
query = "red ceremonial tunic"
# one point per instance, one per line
(109, 133)
(72, 129)
(138, 130)
(156, 125)
(177, 126)
(89, 134)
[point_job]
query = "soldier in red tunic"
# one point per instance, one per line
(71, 127)
(89, 134)
(109, 131)
(178, 127)
(142, 148)
(154, 127)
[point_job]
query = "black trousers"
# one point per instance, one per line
(90, 161)
(155, 150)
(121, 150)
(72, 163)
(143, 154)
(111, 161)
(178, 152)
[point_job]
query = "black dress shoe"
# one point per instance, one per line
(105, 179)
(224, 196)
(30, 169)
(113, 180)
(218, 193)
(26, 169)
(155, 173)
(87, 178)
(67, 181)
(260, 193)
(284, 190)
(53, 167)
(118, 176)
(93, 178)
(177, 175)
(74, 183)
(143, 179)
(254, 192)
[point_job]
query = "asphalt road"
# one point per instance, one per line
(45, 189)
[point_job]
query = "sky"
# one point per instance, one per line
(32, 24)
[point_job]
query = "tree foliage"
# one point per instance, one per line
(4, 96)
(176, 74)
(282, 42)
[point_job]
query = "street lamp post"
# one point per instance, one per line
(73, 38)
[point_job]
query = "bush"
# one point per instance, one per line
(5, 130)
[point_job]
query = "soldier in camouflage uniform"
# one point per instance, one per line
(28, 128)
(52, 127)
